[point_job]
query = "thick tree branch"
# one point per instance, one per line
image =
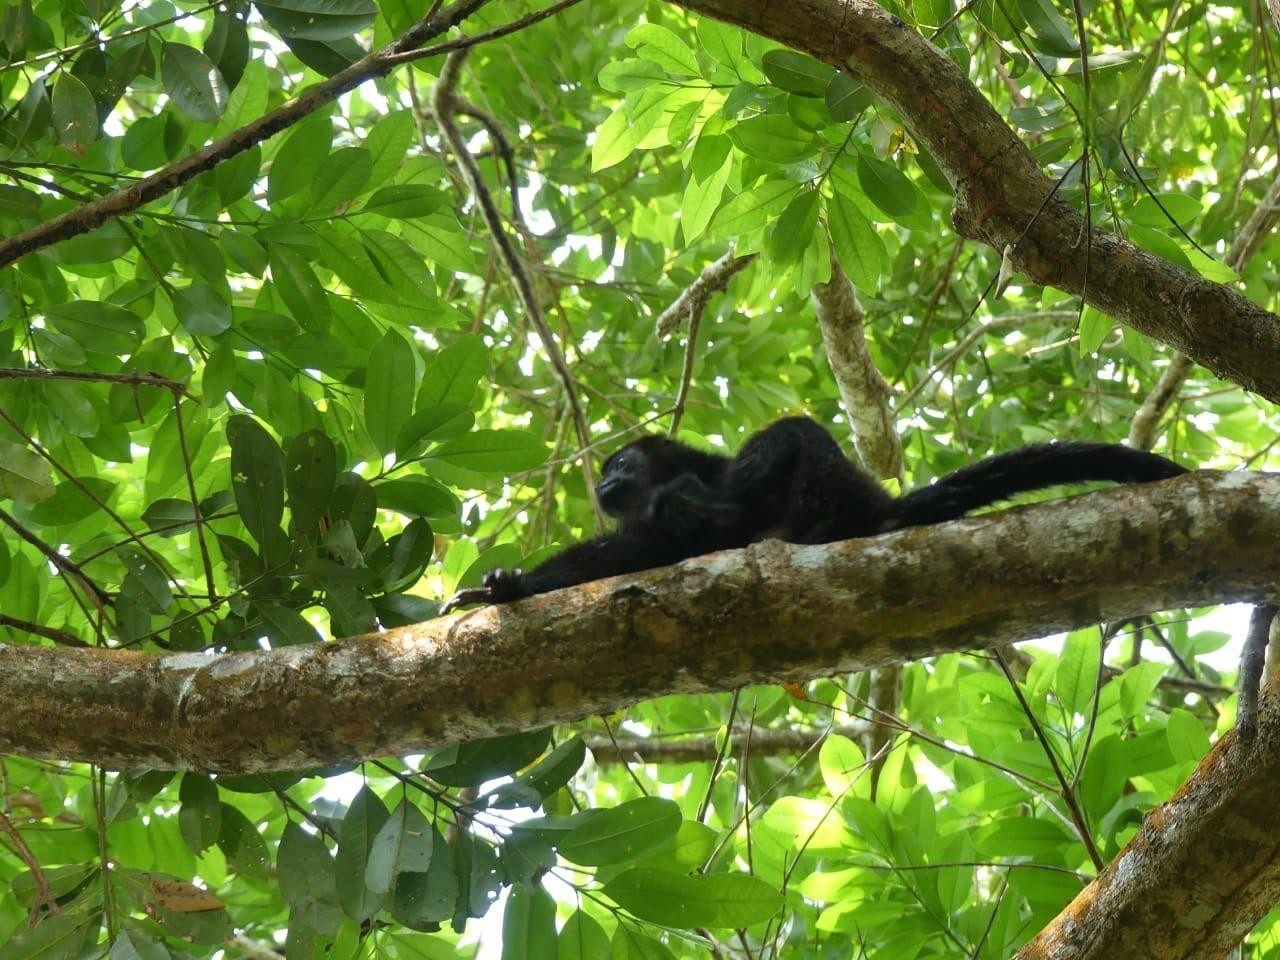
(1004, 198)
(771, 613)
(1201, 872)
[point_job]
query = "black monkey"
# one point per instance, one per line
(789, 481)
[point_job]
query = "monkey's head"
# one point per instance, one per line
(630, 476)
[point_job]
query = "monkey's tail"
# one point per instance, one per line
(1029, 468)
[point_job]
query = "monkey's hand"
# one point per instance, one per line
(500, 586)
(687, 509)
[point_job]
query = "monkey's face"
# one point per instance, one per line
(625, 483)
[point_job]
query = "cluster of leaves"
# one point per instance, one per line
(251, 412)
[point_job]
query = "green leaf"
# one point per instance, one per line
(886, 186)
(25, 477)
(1051, 33)
(350, 612)
(623, 834)
(743, 900)
(405, 201)
(529, 924)
(846, 98)
(364, 818)
(75, 115)
(721, 41)
(544, 778)
(492, 451)
(318, 19)
(432, 424)
(1078, 670)
(146, 582)
(284, 626)
(342, 176)
(630, 74)
(661, 45)
(56, 937)
(858, 247)
(202, 310)
(794, 229)
(582, 938)
(662, 896)
(305, 872)
(417, 497)
(472, 763)
(797, 72)
(1188, 738)
(403, 844)
(1094, 328)
(388, 142)
(72, 501)
(752, 208)
(773, 137)
(615, 139)
(841, 762)
(422, 899)
(702, 198)
(299, 157)
(389, 385)
(240, 843)
(200, 816)
(227, 46)
(451, 374)
(18, 202)
(257, 478)
(194, 83)
(299, 288)
(401, 560)
(135, 944)
(311, 470)
(101, 328)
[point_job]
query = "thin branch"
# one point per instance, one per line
(693, 299)
(44, 898)
(195, 499)
(68, 566)
(466, 43)
(61, 637)
(444, 107)
(764, 743)
(1068, 796)
(127, 199)
(92, 376)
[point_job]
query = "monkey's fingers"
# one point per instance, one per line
(468, 596)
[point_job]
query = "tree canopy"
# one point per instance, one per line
(314, 311)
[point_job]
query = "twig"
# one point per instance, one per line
(443, 106)
(693, 299)
(44, 897)
(68, 566)
(195, 499)
(130, 379)
(466, 43)
(127, 199)
(60, 637)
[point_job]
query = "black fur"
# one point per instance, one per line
(789, 481)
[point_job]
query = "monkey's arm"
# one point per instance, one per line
(596, 559)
